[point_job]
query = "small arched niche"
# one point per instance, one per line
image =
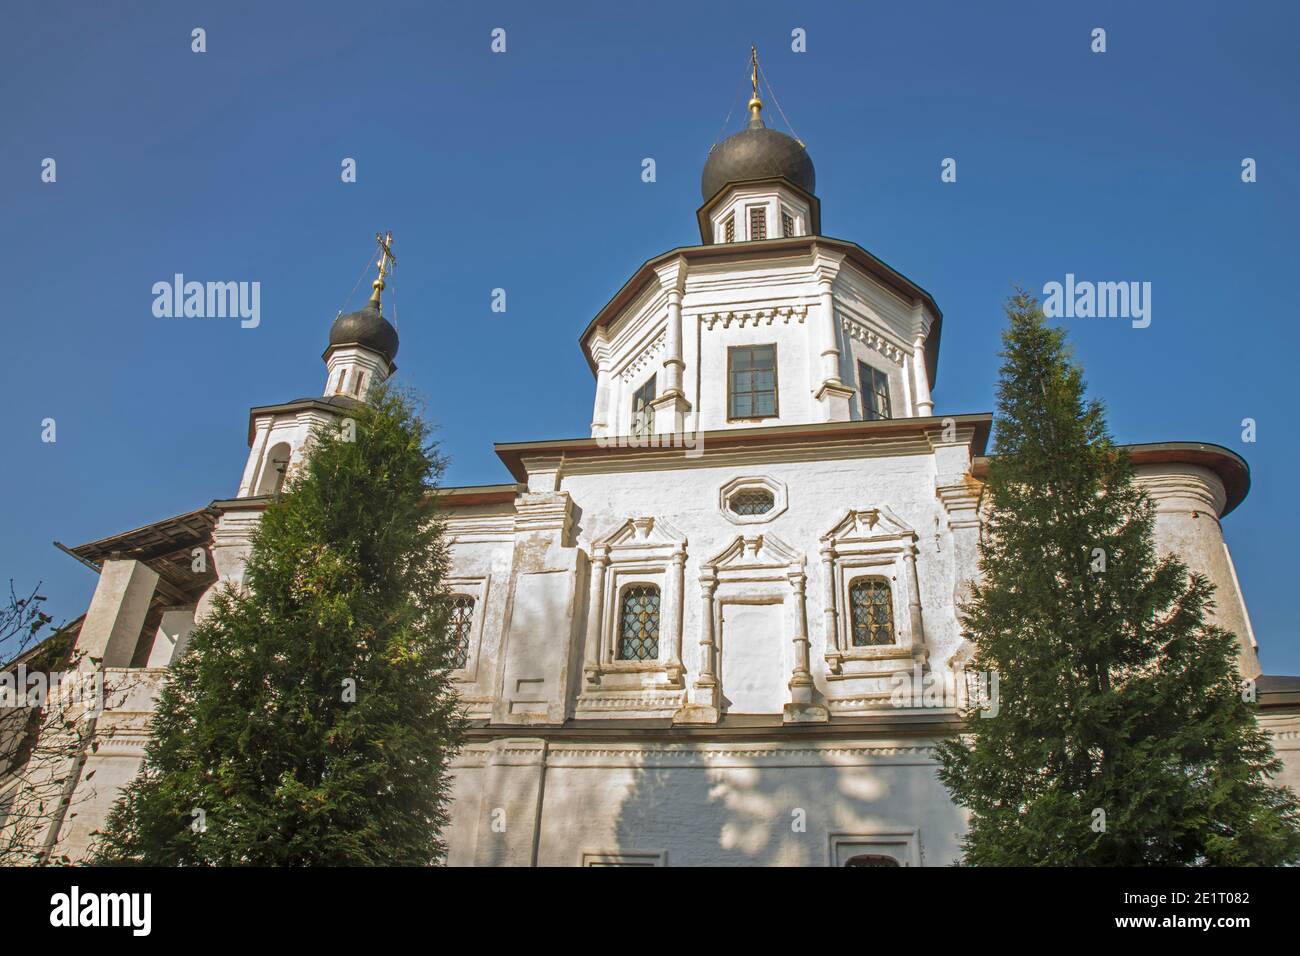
(274, 469)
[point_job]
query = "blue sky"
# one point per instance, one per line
(522, 171)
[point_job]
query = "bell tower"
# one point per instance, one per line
(363, 344)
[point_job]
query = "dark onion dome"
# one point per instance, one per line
(757, 153)
(366, 328)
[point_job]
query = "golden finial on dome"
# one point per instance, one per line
(755, 104)
(386, 261)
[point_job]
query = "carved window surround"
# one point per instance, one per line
(747, 569)
(776, 487)
(642, 550)
(476, 588)
(904, 846)
(874, 541)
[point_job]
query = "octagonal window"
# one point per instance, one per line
(751, 501)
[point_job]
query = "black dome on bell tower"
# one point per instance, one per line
(367, 328)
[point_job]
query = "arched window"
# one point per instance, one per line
(274, 470)
(638, 633)
(871, 859)
(873, 612)
(459, 620)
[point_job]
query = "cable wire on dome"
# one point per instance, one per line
(772, 93)
(718, 138)
(364, 269)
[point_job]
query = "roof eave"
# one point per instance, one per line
(513, 453)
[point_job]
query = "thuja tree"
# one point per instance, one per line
(312, 719)
(1122, 734)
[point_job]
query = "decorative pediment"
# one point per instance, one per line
(642, 532)
(868, 524)
(755, 551)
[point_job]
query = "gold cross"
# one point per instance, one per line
(386, 254)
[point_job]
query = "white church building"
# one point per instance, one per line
(722, 627)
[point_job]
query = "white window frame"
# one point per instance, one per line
(476, 588)
(642, 550)
(872, 542)
(775, 486)
(903, 845)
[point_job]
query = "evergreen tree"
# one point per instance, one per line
(1122, 735)
(312, 718)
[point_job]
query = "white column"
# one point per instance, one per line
(924, 405)
(833, 652)
(708, 677)
(172, 638)
(252, 468)
(830, 349)
(801, 682)
(673, 363)
(677, 582)
(919, 651)
(116, 614)
(701, 706)
(595, 616)
(670, 406)
(600, 420)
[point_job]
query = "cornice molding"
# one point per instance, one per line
(756, 317)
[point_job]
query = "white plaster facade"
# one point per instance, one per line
(760, 733)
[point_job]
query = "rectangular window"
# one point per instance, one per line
(643, 416)
(873, 385)
(787, 223)
(758, 222)
(751, 379)
(729, 229)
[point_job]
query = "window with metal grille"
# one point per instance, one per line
(638, 632)
(873, 612)
(758, 222)
(873, 384)
(643, 416)
(751, 501)
(729, 229)
(751, 374)
(459, 622)
(787, 223)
